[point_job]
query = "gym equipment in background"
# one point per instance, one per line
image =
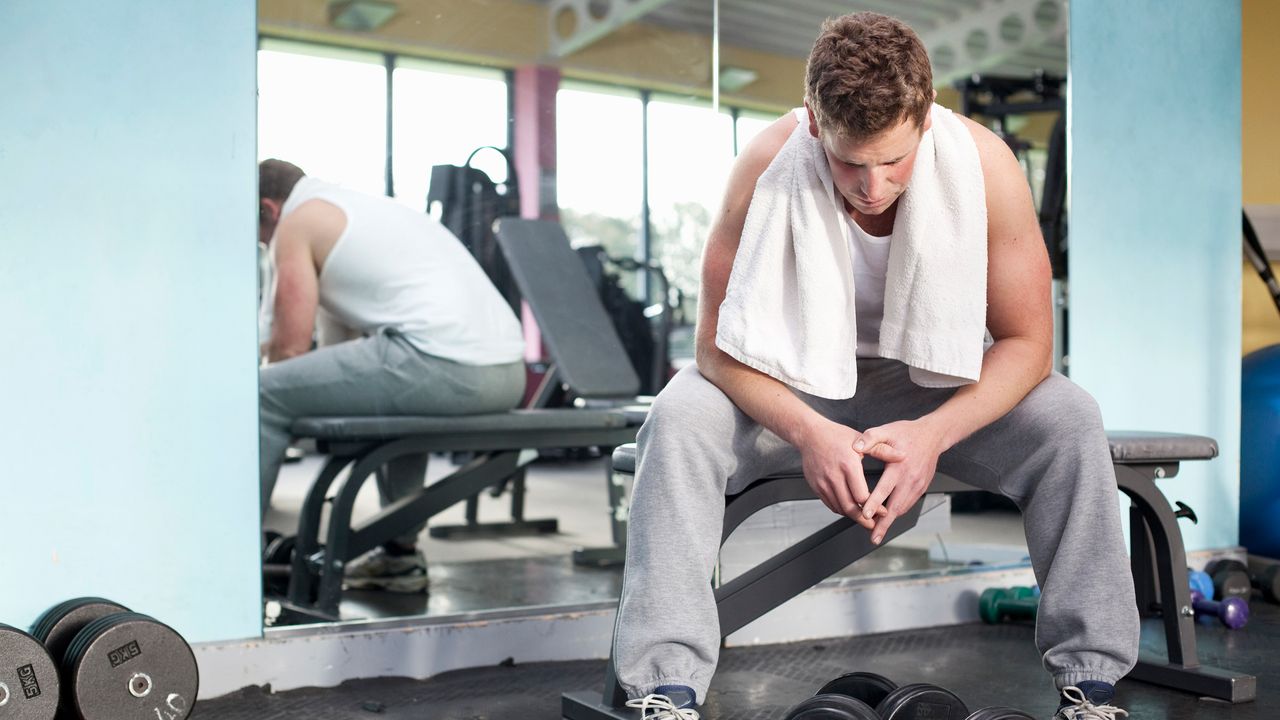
(1232, 612)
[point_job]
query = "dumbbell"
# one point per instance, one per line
(1231, 612)
(1267, 582)
(1230, 579)
(57, 627)
(909, 702)
(1016, 603)
(98, 647)
(1200, 582)
(108, 675)
(868, 696)
(29, 683)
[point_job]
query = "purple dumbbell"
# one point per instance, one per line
(1232, 612)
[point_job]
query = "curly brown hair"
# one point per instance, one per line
(867, 73)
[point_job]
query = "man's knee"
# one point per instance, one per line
(689, 405)
(1062, 412)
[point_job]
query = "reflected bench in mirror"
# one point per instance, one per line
(589, 368)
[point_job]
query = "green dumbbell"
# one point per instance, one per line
(1016, 603)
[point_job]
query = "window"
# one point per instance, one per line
(690, 153)
(600, 166)
(324, 110)
(441, 113)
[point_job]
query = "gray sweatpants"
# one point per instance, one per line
(379, 375)
(1049, 455)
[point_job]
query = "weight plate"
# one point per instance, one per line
(832, 707)
(60, 623)
(1000, 713)
(921, 700)
(128, 665)
(868, 687)
(28, 678)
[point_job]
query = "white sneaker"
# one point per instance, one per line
(380, 570)
(660, 707)
(1081, 709)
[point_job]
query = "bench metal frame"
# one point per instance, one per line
(1158, 560)
(316, 571)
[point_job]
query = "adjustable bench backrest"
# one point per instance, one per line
(578, 334)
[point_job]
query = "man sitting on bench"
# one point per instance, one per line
(874, 224)
(432, 335)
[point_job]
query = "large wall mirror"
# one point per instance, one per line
(621, 119)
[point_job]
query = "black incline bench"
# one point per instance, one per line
(589, 365)
(1158, 559)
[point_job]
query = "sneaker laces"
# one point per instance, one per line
(662, 707)
(1082, 709)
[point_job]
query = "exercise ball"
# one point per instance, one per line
(1260, 452)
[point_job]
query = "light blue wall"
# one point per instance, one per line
(127, 275)
(1155, 231)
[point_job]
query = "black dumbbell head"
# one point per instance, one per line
(868, 687)
(831, 706)
(1268, 581)
(922, 700)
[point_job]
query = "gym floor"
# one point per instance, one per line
(984, 665)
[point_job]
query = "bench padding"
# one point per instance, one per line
(1127, 448)
(390, 428)
(1130, 447)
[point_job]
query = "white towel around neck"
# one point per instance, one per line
(788, 309)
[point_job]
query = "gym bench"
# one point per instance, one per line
(366, 444)
(1158, 559)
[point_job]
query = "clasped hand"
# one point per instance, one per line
(832, 463)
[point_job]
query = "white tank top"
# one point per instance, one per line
(397, 268)
(870, 267)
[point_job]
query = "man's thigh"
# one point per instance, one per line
(1057, 412)
(347, 378)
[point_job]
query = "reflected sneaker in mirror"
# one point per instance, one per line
(382, 570)
(1089, 701)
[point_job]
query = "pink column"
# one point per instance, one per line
(535, 157)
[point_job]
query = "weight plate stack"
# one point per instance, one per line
(128, 665)
(922, 700)
(28, 678)
(60, 623)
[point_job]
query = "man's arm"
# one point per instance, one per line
(297, 285)
(1020, 319)
(831, 466)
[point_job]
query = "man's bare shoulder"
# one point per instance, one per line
(764, 147)
(314, 221)
(751, 164)
(994, 153)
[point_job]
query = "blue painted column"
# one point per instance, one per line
(127, 286)
(1155, 231)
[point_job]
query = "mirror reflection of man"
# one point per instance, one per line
(408, 324)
